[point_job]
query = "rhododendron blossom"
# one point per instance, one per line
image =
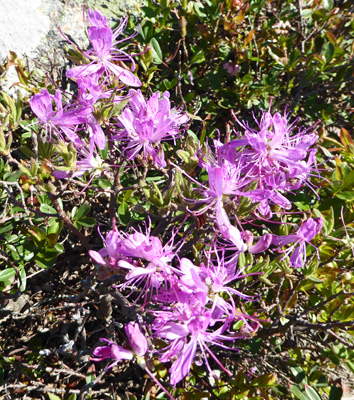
(308, 230)
(60, 119)
(145, 124)
(186, 328)
(137, 342)
(190, 284)
(104, 55)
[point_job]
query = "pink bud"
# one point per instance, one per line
(263, 243)
(136, 339)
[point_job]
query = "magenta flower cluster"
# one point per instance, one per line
(142, 125)
(195, 305)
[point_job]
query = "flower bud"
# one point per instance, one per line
(136, 339)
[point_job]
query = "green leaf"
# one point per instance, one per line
(326, 252)
(55, 225)
(46, 208)
(350, 365)
(197, 7)
(328, 51)
(9, 226)
(7, 274)
(88, 222)
(198, 58)
(46, 258)
(59, 248)
(53, 396)
(241, 261)
(157, 53)
(307, 12)
(89, 378)
(83, 210)
(105, 183)
(23, 279)
(298, 372)
(349, 196)
(330, 220)
(265, 280)
(153, 193)
(264, 380)
(14, 176)
(328, 4)
(52, 239)
(345, 138)
(348, 179)
(313, 279)
(311, 393)
(37, 234)
(298, 393)
(124, 213)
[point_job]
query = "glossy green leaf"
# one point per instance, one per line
(328, 51)
(311, 393)
(88, 222)
(83, 210)
(7, 274)
(124, 213)
(157, 53)
(298, 393)
(328, 4)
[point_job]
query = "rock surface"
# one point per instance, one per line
(30, 28)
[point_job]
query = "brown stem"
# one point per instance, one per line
(323, 303)
(114, 194)
(62, 215)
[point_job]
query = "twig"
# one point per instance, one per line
(114, 195)
(323, 303)
(62, 215)
(23, 205)
(277, 296)
(51, 370)
(39, 388)
(292, 292)
(35, 145)
(350, 346)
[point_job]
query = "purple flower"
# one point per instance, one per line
(136, 339)
(309, 229)
(137, 342)
(278, 159)
(104, 54)
(231, 68)
(209, 284)
(157, 270)
(186, 328)
(90, 91)
(109, 255)
(144, 124)
(113, 350)
(147, 260)
(96, 18)
(228, 231)
(262, 244)
(61, 120)
(88, 160)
